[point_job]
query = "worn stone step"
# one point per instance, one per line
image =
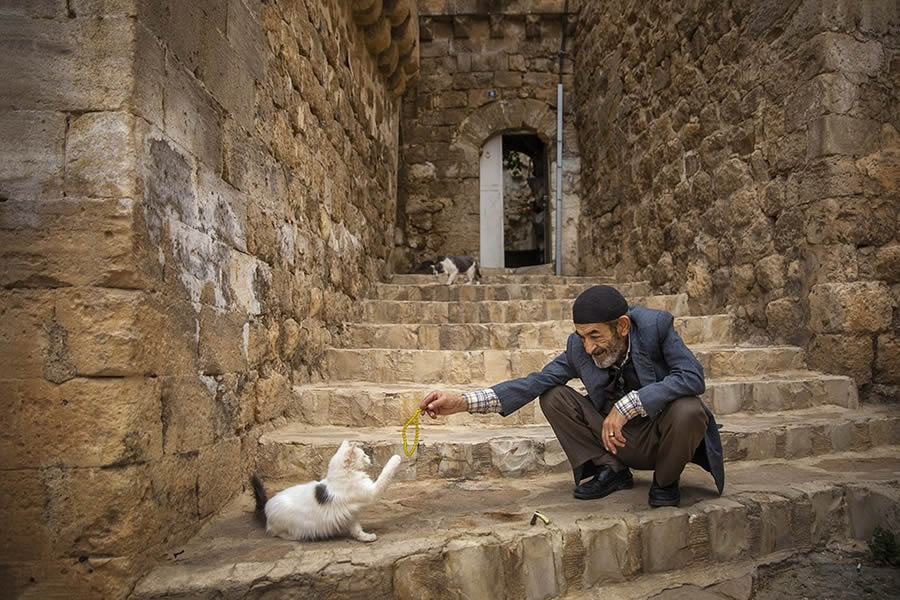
(494, 276)
(438, 291)
(453, 367)
(457, 538)
(507, 336)
(366, 404)
(301, 452)
(496, 311)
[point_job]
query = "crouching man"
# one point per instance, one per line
(642, 410)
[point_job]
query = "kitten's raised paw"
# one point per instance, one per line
(394, 461)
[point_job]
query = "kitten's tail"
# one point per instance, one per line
(477, 272)
(259, 493)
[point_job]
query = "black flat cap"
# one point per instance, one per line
(599, 304)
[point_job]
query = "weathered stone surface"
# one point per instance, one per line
(887, 358)
(850, 307)
(849, 354)
(66, 64)
(32, 150)
(838, 134)
(100, 156)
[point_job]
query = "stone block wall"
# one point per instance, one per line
(747, 153)
(469, 49)
(193, 195)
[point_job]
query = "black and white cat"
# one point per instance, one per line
(454, 265)
(327, 508)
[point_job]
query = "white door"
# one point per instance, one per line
(491, 201)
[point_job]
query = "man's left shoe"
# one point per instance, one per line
(664, 496)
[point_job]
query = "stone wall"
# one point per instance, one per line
(469, 49)
(192, 197)
(747, 153)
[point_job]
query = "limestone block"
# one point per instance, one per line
(31, 154)
(219, 475)
(22, 498)
(608, 556)
(220, 341)
(871, 506)
(103, 8)
(367, 13)
(221, 209)
(844, 354)
(729, 530)
(246, 36)
(513, 457)
(66, 64)
(823, 94)
(77, 577)
(476, 568)
(665, 542)
(126, 523)
(378, 36)
(859, 307)
(45, 9)
(100, 155)
(192, 116)
(420, 577)
(82, 422)
(273, 394)
(538, 565)
(887, 363)
(843, 53)
(880, 263)
(798, 441)
(398, 10)
(387, 63)
(841, 134)
(834, 263)
(227, 78)
(57, 243)
(774, 523)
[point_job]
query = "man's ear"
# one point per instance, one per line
(623, 325)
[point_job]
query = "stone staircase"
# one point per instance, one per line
(806, 465)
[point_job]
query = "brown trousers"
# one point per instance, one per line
(664, 444)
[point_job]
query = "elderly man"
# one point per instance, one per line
(642, 409)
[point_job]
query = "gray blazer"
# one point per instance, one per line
(665, 367)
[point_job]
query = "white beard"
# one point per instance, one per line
(607, 363)
(302, 513)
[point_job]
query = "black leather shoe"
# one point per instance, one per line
(664, 496)
(605, 482)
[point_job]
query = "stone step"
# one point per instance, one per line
(493, 276)
(439, 291)
(458, 538)
(301, 452)
(496, 311)
(453, 367)
(366, 404)
(507, 336)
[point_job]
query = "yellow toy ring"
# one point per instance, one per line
(415, 418)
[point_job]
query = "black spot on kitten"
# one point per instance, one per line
(322, 494)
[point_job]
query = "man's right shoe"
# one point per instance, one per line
(605, 482)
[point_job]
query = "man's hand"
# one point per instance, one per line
(612, 430)
(443, 403)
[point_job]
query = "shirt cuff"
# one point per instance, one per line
(630, 406)
(482, 401)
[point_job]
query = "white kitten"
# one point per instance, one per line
(327, 508)
(454, 265)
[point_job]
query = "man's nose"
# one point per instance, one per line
(589, 347)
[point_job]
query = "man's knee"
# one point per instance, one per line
(687, 413)
(554, 397)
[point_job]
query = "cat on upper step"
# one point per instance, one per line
(453, 266)
(322, 509)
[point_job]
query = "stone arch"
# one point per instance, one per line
(499, 117)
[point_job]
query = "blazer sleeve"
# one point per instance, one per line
(516, 393)
(685, 373)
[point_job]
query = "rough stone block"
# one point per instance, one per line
(840, 134)
(31, 154)
(222, 210)
(127, 522)
(45, 9)
(150, 76)
(872, 506)
(860, 221)
(66, 65)
(219, 475)
(82, 422)
(56, 243)
(220, 343)
(246, 36)
(24, 536)
(666, 544)
(476, 567)
(843, 354)
(538, 567)
(607, 555)
(76, 577)
(100, 156)
(729, 530)
(826, 93)
(843, 53)
(273, 394)
(861, 307)
(103, 8)
(887, 361)
(192, 116)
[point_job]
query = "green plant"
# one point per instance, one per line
(884, 547)
(512, 160)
